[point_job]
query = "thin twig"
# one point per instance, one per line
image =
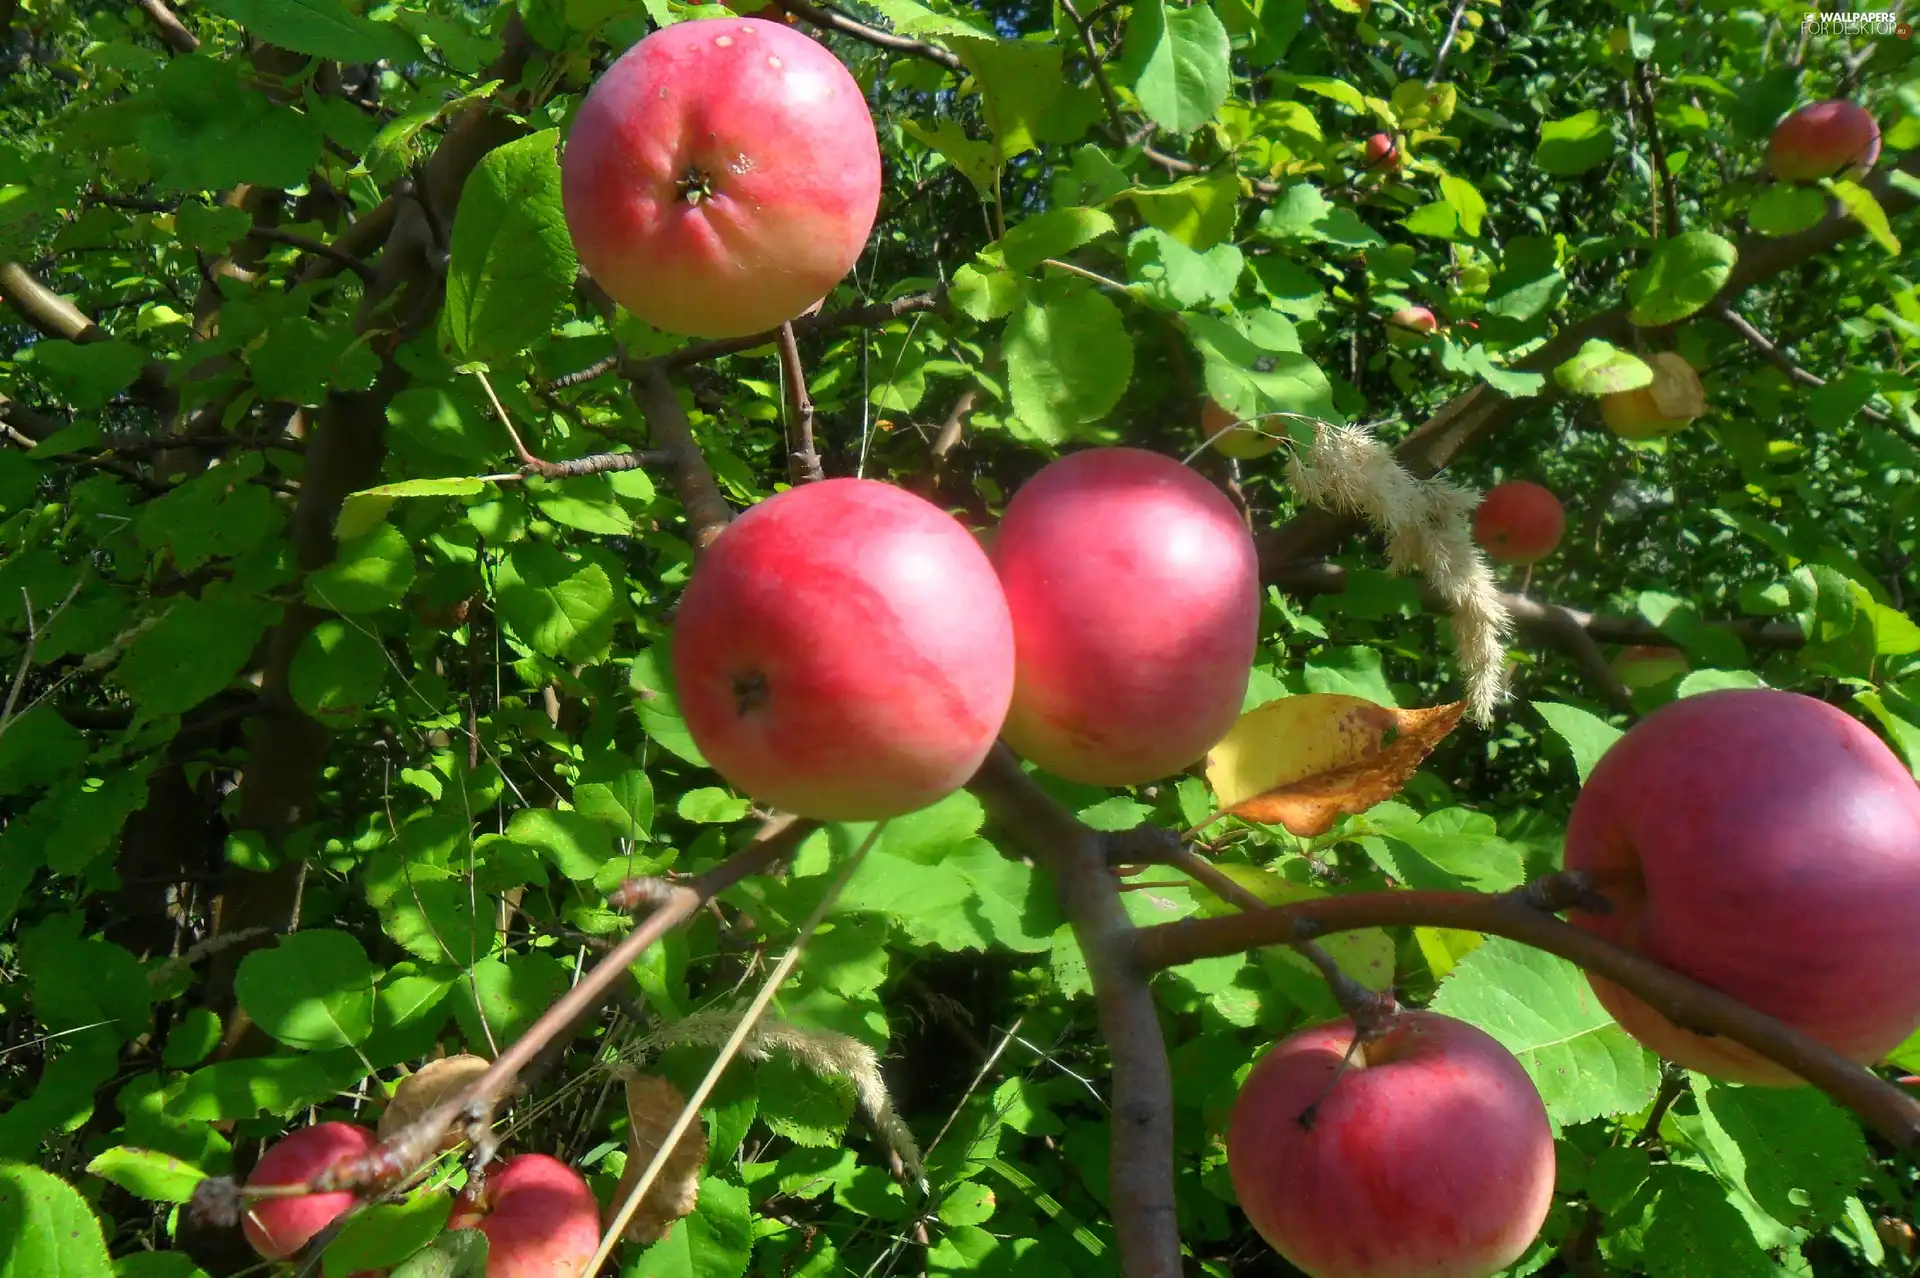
(803, 463)
(1446, 45)
(318, 248)
(1781, 360)
(1641, 87)
(690, 1112)
(879, 39)
(956, 424)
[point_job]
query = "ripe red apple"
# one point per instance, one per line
(1644, 665)
(1430, 1154)
(843, 651)
(1519, 522)
(540, 1218)
(1234, 438)
(280, 1227)
(1135, 594)
(1380, 152)
(1410, 325)
(1824, 140)
(1674, 398)
(1768, 845)
(721, 176)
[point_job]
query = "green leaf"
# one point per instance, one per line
(573, 841)
(47, 1228)
(1685, 274)
(302, 360)
(459, 1253)
(157, 1264)
(512, 266)
(1051, 234)
(977, 161)
(625, 803)
(363, 511)
(1462, 844)
(210, 129)
(312, 991)
(716, 1241)
(801, 1105)
(439, 917)
(1601, 368)
(1177, 275)
(1681, 1225)
(1795, 1152)
(88, 374)
(1465, 200)
(1018, 80)
(338, 669)
(1574, 145)
(1542, 1010)
(1786, 209)
(710, 805)
(147, 1173)
(1859, 202)
(1586, 734)
(385, 1234)
(1178, 58)
(512, 992)
(986, 294)
(274, 1084)
(560, 608)
(371, 572)
(323, 28)
(192, 652)
(1068, 358)
(1198, 211)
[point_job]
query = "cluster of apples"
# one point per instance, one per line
(538, 1214)
(1761, 842)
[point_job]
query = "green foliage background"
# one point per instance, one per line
(438, 744)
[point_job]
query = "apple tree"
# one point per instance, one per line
(803, 639)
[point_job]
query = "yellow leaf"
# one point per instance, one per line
(1301, 762)
(1443, 947)
(653, 1106)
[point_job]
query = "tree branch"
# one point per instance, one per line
(879, 39)
(803, 463)
(1882, 1106)
(1076, 858)
(1781, 360)
(687, 470)
(871, 315)
(172, 30)
(1641, 89)
(318, 248)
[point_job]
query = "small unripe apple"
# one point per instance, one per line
(540, 1218)
(1825, 139)
(721, 176)
(1674, 398)
(1381, 153)
(1619, 40)
(1429, 1153)
(843, 651)
(1410, 325)
(1519, 522)
(1232, 437)
(1644, 665)
(279, 1227)
(1768, 845)
(1134, 588)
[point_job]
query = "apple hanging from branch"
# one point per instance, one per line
(1519, 522)
(539, 1215)
(1234, 438)
(1673, 398)
(279, 1227)
(1428, 1152)
(722, 176)
(1825, 139)
(1410, 326)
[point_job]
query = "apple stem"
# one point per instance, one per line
(803, 463)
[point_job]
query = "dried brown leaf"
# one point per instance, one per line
(425, 1088)
(653, 1106)
(1311, 805)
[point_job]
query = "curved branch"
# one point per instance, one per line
(831, 21)
(1882, 1106)
(687, 469)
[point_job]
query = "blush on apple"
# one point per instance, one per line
(540, 1218)
(843, 651)
(1826, 139)
(1768, 845)
(722, 176)
(279, 1227)
(1410, 325)
(1429, 1153)
(1134, 589)
(1519, 522)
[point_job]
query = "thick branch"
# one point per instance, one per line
(1076, 858)
(1686, 1002)
(1482, 410)
(172, 30)
(406, 1150)
(687, 469)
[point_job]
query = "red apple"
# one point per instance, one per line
(1674, 398)
(280, 1227)
(1429, 1154)
(1381, 153)
(1519, 522)
(1644, 665)
(721, 176)
(1234, 438)
(1824, 140)
(843, 651)
(540, 1218)
(1135, 594)
(1768, 845)
(1410, 325)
